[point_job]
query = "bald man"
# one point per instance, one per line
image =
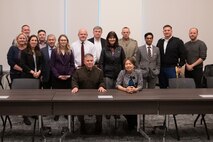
(78, 51)
(196, 52)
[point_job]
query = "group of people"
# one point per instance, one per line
(102, 64)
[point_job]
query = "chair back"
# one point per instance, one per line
(209, 82)
(208, 72)
(25, 83)
(1, 70)
(181, 83)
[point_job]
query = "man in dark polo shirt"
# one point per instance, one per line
(89, 77)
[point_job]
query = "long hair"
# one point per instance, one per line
(37, 48)
(109, 35)
(67, 49)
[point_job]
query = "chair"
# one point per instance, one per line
(209, 82)
(208, 72)
(1, 75)
(24, 83)
(184, 83)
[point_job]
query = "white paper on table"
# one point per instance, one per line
(206, 96)
(4, 97)
(105, 97)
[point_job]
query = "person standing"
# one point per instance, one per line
(148, 60)
(31, 61)
(89, 77)
(42, 38)
(62, 64)
(111, 60)
(25, 29)
(196, 52)
(14, 57)
(46, 68)
(98, 41)
(129, 45)
(82, 47)
(172, 53)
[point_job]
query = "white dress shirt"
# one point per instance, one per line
(89, 47)
(98, 48)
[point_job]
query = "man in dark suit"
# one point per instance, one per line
(148, 60)
(172, 52)
(98, 41)
(46, 70)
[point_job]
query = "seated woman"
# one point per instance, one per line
(130, 80)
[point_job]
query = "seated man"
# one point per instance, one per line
(89, 77)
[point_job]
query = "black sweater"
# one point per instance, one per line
(175, 52)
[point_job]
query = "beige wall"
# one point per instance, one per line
(140, 15)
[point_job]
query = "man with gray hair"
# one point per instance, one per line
(98, 41)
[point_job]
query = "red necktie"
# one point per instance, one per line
(82, 53)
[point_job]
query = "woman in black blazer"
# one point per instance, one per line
(31, 59)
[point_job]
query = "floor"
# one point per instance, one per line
(23, 133)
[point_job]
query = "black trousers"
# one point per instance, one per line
(197, 75)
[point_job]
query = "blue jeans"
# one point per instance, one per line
(165, 74)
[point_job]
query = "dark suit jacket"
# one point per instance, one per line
(46, 64)
(27, 63)
(103, 41)
(175, 52)
(62, 64)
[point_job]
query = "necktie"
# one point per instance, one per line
(131, 82)
(50, 52)
(149, 52)
(82, 53)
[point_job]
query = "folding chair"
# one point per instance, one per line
(27, 83)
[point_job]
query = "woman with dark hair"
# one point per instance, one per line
(111, 60)
(130, 80)
(31, 59)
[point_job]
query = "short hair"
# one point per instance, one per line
(97, 28)
(39, 31)
(165, 26)
(194, 28)
(131, 59)
(24, 26)
(88, 55)
(51, 35)
(147, 34)
(126, 28)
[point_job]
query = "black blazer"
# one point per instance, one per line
(27, 63)
(46, 69)
(175, 52)
(103, 41)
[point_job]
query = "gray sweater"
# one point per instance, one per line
(194, 51)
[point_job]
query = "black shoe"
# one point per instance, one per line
(26, 120)
(56, 118)
(66, 117)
